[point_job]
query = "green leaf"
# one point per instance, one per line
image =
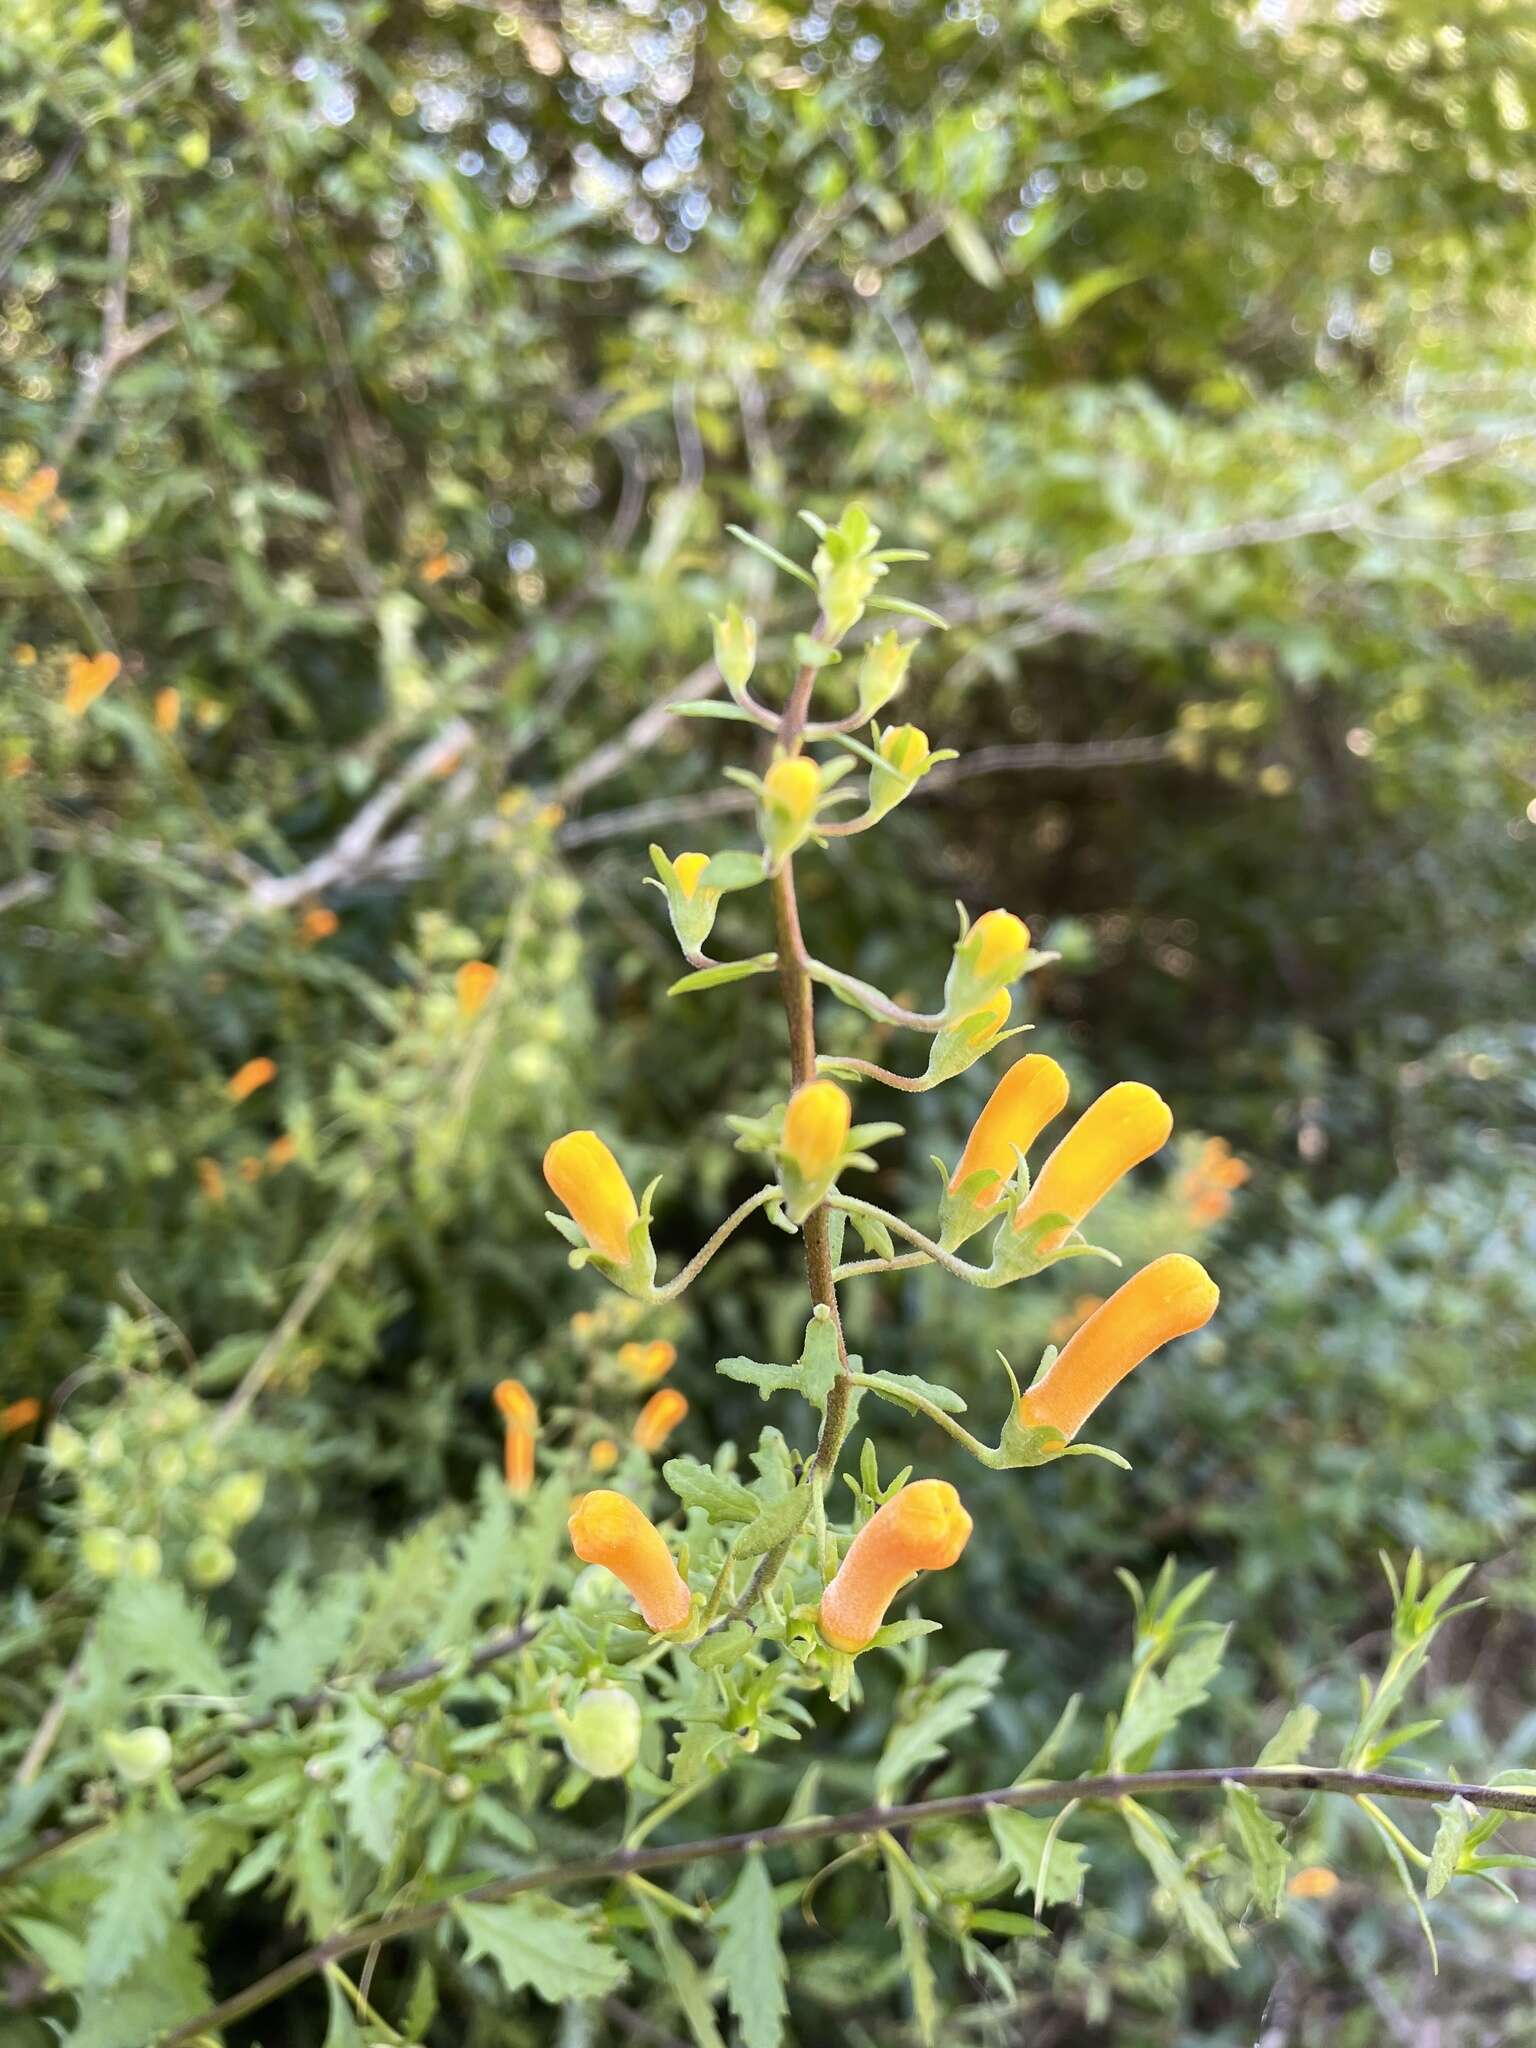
(714, 1652)
(735, 868)
(729, 970)
(1405, 1878)
(768, 1379)
(722, 1499)
(136, 1909)
(938, 1709)
(1060, 306)
(772, 554)
(750, 1956)
(681, 1975)
(1292, 1739)
(371, 1781)
(710, 707)
(1184, 1895)
(1261, 1840)
(973, 249)
(775, 1524)
(912, 1934)
(1163, 1698)
(900, 1387)
(1457, 1817)
(165, 1989)
(820, 1362)
(1032, 1849)
(303, 1633)
(539, 1945)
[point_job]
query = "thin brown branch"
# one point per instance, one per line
(871, 1820)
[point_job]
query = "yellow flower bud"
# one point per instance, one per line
(1167, 1299)
(923, 1528)
(1030, 1094)
(587, 1180)
(735, 648)
(688, 867)
(904, 748)
(607, 1528)
(816, 1128)
(137, 1754)
(791, 792)
(1127, 1124)
(659, 1417)
(882, 671)
(209, 1562)
(999, 940)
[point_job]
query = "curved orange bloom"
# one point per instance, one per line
(247, 1079)
(1167, 1299)
(1032, 1091)
(167, 710)
(688, 867)
(659, 1417)
(282, 1152)
(472, 985)
(587, 1180)
(816, 1127)
(647, 1363)
(518, 1409)
(921, 1529)
(604, 1454)
(999, 938)
(319, 922)
(18, 1415)
(1127, 1124)
(607, 1528)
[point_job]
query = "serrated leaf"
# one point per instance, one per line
(973, 249)
(1456, 1820)
(913, 1936)
(750, 1956)
(539, 1945)
(303, 1633)
(900, 1387)
(728, 971)
(312, 1867)
(484, 1567)
(777, 1522)
(820, 1361)
(1031, 1847)
(1262, 1842)
(370, 1784)
(682, 1975)
(696, 1750)
(1164, 1697)
(1291, 1740)
(714, 1652)
(139, 1904)
(1163, 1860)
(722, 1499)
(165, 1989)
(148, 1631)
(942, 1707)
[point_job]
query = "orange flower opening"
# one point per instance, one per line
(167, 710)
(816, 1127)
(659, 1417)
(1127, 1124)
(19, 1415)
(604, 1454)
(607, 1528)
(688, 867)
(647, 1363)
(519, 1411)
(1030, 1094)
(472, 986)
(1167, 1299)
(318, 923)
(245, 1080)
(587, 1180)
(923, 1528)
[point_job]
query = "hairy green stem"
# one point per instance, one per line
(706, 1252)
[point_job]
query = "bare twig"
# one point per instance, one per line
(872, 1820)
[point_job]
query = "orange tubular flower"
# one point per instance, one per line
(604, 1454)
(1127, 1124)
(167, 710)
(1167, 1299)
(19, 1415)
(1030, 1094)
(247, 1079)
(472, 985)
(816, 1127)
(519, 1411)
(85, 679)
(608, 1529)
(647, 1363)
(659, 1417)
(586, 1179)
(921, 1529)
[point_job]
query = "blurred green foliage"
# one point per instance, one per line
(378, 384)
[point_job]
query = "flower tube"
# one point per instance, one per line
(1127, 1124)
(587, 1180)
(519, 1412)
(1167, 1299)
(921, 1529)
(607, 1528)
(659, 1417)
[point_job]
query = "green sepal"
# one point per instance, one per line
(892, 1634)
(735, 868)
(960, 1045)
(962, 1213)
(1016, 1254)
(693, 917)
(713, 1653)
(811, 653)
(727, 971)
(636, 1276)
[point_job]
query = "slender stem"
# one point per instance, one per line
(1409, 1848)
(702, 1257)
(961, 1268)
(905, 1262)
(873, 1001)
(909, 1084)
(871, 1821)
(919, 1404)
